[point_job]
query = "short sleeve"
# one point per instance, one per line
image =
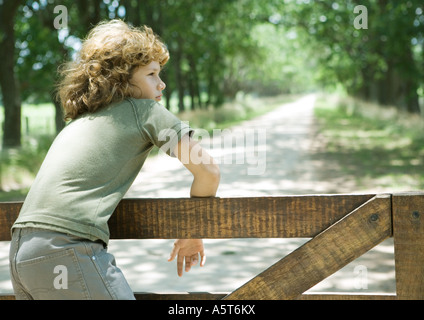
(160, 126)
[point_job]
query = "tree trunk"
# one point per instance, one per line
(196, 96)
(411, 97)
(412, 76)
(178, 55)
(8, 82)
(180, 86)
(58, 119)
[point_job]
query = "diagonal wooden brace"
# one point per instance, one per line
(329, 251)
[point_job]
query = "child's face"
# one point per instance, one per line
(147, 83)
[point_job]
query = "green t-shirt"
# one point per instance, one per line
(93, 162)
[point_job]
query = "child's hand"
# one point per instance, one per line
(188, 250)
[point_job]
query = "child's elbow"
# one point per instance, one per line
(211, 174)
(206, 181)
(213, 177)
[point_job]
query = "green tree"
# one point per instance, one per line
(44, 45)
(8, 82)
(377, 63)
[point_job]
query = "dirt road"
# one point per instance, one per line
(269, 155)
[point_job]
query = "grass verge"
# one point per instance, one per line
(381, 146)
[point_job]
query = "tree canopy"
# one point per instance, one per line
(373, 49)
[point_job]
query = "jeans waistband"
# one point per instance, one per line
(28, 230)
(22, 231)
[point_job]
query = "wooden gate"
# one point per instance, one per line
(341, 228)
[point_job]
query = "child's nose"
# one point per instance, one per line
(162, 85)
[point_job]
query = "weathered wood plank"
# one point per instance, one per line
(9, 212)
(261, 217)
(326, 253)
(408, 233)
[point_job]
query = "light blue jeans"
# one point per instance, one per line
(50, 265)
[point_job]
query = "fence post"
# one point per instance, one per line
(408, 233)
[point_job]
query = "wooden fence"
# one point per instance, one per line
(341, 228)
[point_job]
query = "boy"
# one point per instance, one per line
(110, 94)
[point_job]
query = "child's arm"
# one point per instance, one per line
(203, 167)
(206, 177)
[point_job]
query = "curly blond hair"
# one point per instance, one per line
(106, 62)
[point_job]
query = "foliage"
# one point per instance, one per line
(383, 63)
(18, 165)
(222, 47)
(217, 47)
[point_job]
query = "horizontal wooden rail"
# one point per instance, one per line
(216, 218)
